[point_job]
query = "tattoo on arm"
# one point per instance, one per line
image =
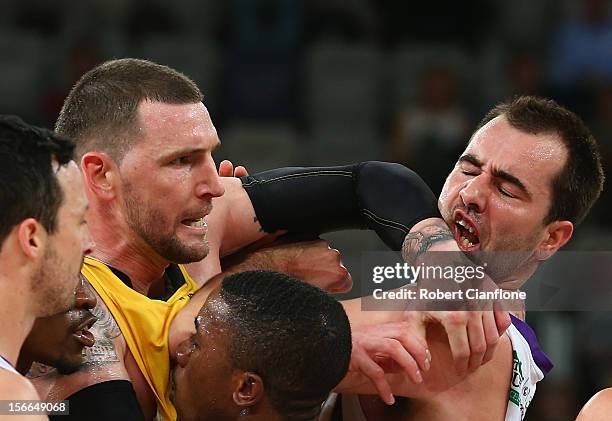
(105, 330)
(106, 324)
(419, 242)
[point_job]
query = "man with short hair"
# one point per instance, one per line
(144, 140)
(42, 212)
(257, 351)
(528, 176)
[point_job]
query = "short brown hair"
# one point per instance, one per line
(101, 109)
(580, 181)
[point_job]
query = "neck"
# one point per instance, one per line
(118, 246)
(16, 319)
(518, 279)
(24, 363)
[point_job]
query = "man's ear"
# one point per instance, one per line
(32, 238)
(249, 390)
(558, 234)
(101, 174)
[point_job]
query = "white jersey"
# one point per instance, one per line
(7, 366)
(529, 366)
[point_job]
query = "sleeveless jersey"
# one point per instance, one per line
(145, 324)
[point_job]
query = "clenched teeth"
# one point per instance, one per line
(196, 223)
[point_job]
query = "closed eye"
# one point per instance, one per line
(505, 193)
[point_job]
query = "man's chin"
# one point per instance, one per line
(183, 253)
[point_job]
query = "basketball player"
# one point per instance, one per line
(42, 212)
(144, 140)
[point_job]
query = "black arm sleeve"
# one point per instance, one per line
(385, 197)
(107, 401)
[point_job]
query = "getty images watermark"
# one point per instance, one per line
(567, 281)
(411, 275)
(441, 281)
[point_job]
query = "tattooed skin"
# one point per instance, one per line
(40, 370)
(417, 243)
(105, 330)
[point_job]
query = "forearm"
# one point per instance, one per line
(385, 197)
(428, 234)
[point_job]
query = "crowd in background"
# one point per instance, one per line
(325, 82)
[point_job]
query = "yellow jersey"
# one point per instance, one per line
(145, 324)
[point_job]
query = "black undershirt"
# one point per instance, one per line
(173, 277)
(113, 400)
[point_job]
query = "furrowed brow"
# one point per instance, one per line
(506, 176)
(469, 158)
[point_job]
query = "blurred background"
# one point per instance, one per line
(324, 82)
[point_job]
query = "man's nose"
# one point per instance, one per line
(209, 183)
(474, 193)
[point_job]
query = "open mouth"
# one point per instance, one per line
(194, 223)
(466, 233)
(83, 335)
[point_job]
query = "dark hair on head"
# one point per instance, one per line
(100, 113)
(580, 182)
(29, 186)
(295, 336)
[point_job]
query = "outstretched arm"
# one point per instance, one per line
(385, 197)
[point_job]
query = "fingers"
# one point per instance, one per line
(502, 320)
(476, 337)
(455, 325)
(376, 374)
(226, 168)
(390, 347)
(491, 335)
(240, 171)
(393, 349)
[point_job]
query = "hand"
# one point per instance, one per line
(472, 335)
(387, 348)
(312, 261)
(226, 169)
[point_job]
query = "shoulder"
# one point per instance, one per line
(598, 407)
(16, 387)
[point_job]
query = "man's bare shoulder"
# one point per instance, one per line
(598, 407)
(16, 387)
